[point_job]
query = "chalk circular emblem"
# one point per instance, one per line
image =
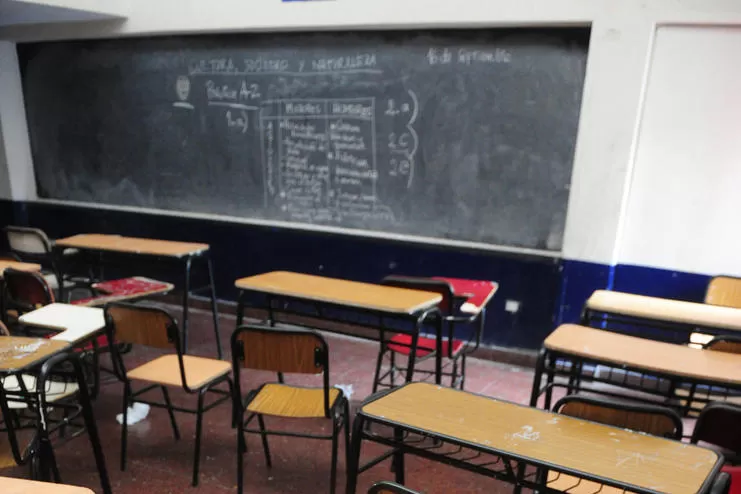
(182, 87)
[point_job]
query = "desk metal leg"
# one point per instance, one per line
(353, 457)
(537, 378)
(186, 300)
(398, 460)
(214, 310)
(439, 349)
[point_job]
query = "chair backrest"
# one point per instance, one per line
(4, 330)
(725, 291)
(386, 487)
(724, 343)
(718, 424)
(140, 325)
(446, 305)
(26, 290)
(28, 240)
(650, 419)
(721, 484)
(260, 347)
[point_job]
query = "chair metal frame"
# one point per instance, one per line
(697, 431)
(40, 454)
(130, 396)
(386, 487)
(339, 411)
(20, 306)
(448, 317)
(52, 258)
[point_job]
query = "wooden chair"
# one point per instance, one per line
(454, 349)
(718, 425)
(389, 488)
(25, 291)
(283, 351)
(155, 328)
(32, 244)
(650, 419)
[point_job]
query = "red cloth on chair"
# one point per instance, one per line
(399, 343)
(735, 473)
(129, 286)
(476, 292)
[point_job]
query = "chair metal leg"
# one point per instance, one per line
(171, 412)
(241, 448)
(346, 424)
(214, 309)
(199, 422)
(265, 446)
(124, 426)
(379, 364)
(353, 464)
(454, 374)
(333, 467)
(463, 371)
(392, 369)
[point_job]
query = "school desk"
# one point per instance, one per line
(380, 303)
(38, 357)
(492, 437)
(677, 316)
(570, 347)
(10, 485)
(184, 253)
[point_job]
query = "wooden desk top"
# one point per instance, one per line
(341, 292)
(17, 352)
(664, 309)
(76, 323)
(22, 266)
(589, 448)
(132, 245)
(614, 348)
(10, 485)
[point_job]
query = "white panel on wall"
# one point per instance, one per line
(685, 197)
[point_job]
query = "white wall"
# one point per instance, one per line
(684, 204)
(615, 87)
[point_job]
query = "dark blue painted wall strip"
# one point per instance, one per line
(241, 250)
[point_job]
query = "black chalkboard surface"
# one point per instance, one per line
(465, 135)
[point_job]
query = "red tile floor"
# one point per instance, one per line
(159, 464)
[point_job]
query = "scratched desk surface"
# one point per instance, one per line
(583, 447)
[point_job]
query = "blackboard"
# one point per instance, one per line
(465, 135)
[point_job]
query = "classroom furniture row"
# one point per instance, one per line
(481, 434)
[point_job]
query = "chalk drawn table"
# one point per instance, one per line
(38, 357)
(184, 253)
(378, 302)
(494, 437)
(568, 349)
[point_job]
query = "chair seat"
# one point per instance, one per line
(400, 343)
(575, 485)
(55, 390)
(165, 370)
(283, 400)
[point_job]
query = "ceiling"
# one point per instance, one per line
(17, 12)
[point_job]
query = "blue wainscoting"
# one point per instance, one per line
(241, 250)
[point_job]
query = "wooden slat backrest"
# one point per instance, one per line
(725, 291)
(724, 344)
(142, 325)
(652, 420)
(300, 352)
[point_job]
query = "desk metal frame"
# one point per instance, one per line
(557, 363)
(187, 261)
(511, 467)
(418, 319)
